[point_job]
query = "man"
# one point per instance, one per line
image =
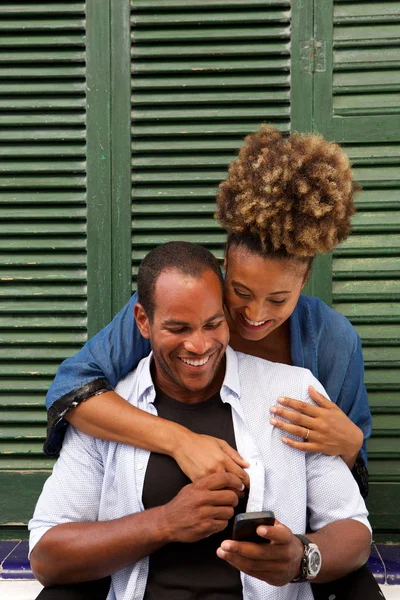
(113, 509)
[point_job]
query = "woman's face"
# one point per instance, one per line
(260, 293)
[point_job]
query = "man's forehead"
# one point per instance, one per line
(178, 296)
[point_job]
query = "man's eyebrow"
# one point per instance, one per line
(249, 290)
(176, 322)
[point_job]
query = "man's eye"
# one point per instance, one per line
(241, 294)
(180, 330)
(213, 325)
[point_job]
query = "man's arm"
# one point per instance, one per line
(82, 551)
(344, 546)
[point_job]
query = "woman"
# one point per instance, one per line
(285, 201)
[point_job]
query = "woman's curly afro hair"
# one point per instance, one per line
(294, 193)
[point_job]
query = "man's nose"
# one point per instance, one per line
(198, 343)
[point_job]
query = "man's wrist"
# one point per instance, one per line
(298, 556)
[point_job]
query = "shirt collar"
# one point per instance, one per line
(230, 385)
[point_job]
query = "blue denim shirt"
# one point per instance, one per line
(321, 339)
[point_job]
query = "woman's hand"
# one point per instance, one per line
(325, 428)
(201, 455)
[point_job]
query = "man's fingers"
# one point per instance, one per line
(219, 481)
(225, 498)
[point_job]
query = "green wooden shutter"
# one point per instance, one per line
(204, 75)
(357, 102)
(43, 229)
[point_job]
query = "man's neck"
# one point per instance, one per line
(181, 394)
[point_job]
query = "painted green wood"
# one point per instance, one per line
(383, 402)
(371, 267)
(210, 81)
(356, 102)
(214, 18)
(120, 153)
(370, 312)
(99, 211)
(24, 487)
(43, 292)
(192, 104)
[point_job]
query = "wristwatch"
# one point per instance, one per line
(311, 561)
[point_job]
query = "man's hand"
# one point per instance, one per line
(202, 508)
(201, 455)
(330, 431)
(276, 563)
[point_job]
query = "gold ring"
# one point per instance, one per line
(307, 434)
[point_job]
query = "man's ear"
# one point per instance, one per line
(142, 320)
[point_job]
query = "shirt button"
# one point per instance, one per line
(140, 466)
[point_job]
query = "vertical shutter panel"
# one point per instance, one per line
(43, 225)
(204, 75)
(357, 104)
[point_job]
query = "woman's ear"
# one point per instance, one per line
(142, 320)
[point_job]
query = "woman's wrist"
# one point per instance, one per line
(350, 457)
(174, 439)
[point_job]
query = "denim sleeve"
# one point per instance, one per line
(353, 399)
(96, 368)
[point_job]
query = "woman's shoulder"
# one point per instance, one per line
(327, 330)
(314, 310)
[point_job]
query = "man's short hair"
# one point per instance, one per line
(186, 258)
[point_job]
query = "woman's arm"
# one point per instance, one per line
(96, 368)
(110, 417)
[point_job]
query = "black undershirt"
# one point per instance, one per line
(189, 571)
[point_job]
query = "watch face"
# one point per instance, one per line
(314, 563)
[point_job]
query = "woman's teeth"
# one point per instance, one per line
(253, 323)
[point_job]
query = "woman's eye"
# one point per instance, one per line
(278, 301)
(241, 294)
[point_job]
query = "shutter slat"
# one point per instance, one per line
(43, 307)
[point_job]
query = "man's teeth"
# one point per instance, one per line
(195, 363)
(254, 323)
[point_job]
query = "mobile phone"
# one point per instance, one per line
(245, 526)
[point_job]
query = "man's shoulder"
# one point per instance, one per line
(135, 382)
(248, 363)
(272, 379)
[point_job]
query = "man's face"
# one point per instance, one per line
(188, 335)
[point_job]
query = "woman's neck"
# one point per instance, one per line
(274, 347)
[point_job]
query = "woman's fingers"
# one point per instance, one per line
(302, 407)
(320, 399)
(297, 430)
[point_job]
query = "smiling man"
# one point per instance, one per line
(113, 509)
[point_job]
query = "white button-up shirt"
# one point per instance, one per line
(95, 480)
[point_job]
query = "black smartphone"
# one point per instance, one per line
(245, 526)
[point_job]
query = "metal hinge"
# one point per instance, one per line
(312, 56)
